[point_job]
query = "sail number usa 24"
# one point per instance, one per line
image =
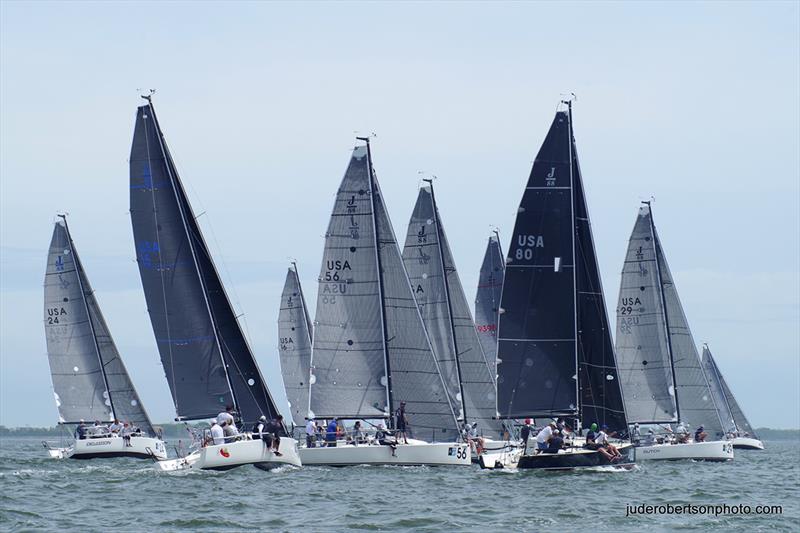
(54, 314)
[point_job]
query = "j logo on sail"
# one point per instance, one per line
(421, 237)
(550, 179)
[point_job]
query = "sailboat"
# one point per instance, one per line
(660, 370)
(447, 318)
(294, 338)
(736, 425)
(206, 357)
(487, 299)
(90, 381)
(555, 357)
(371, 350)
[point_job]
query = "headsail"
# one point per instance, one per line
(715, 383)
(294, 337)
(643, 350)
(371, 350)
(206, 358)
(89, 377)
(733, 419)
(487, 299)
(555, 356)
(695, 403)
(444, 309)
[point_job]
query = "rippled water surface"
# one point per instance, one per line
(42, 494)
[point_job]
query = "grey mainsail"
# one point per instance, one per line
(205, 355)
(89, 377)
(487, 299)
(652, 331)
(444, 309)
(715, 383)
(642, 345)
(294, 338)
(371, 350)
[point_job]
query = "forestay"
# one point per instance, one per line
(206, 358)
(445, 312)
(642, 345)
(487, 300)
(294, 338)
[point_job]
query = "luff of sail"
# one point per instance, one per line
(642, 344)
(111, 378)
(294, 338)
(487, 299)
(444, 309)
(555, 356)
(370, 347)
(205, 355)
(715, 384)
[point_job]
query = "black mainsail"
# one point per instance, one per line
(294, 343)
(662, 375)
(445, 312)
(206, 358)
(487, 299)
(371, 350)
(89, 378)
(555, 356)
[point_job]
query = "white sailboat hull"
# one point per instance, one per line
(718, 450)
(415, 453)
(113, 446)
(747, 443)
(230, 455)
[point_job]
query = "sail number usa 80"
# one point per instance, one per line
(525, 246)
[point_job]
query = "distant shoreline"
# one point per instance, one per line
(178, 431)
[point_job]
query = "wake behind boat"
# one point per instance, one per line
(206, 357)
(555, 357)
(90, 381)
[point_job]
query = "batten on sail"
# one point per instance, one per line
(444, 309)
(294, 338)
(206, 357)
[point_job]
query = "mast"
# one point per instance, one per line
(372, 191)
(447, 300)
(194, 254)
(656, 248)
(574, 261)
(88, 314)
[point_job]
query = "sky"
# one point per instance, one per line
(693, 104)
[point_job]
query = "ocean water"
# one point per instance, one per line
(42, 494)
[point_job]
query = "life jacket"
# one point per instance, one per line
(255, 427)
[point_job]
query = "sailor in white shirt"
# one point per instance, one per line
(311, 431)
(543, 437)
(217, 434)
(226, 416)
(116, 427)
(602, 439)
